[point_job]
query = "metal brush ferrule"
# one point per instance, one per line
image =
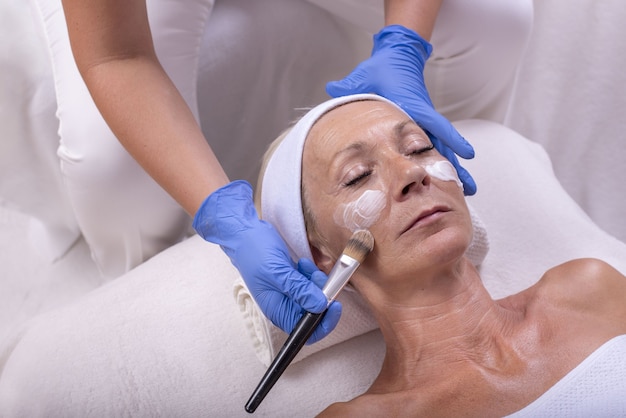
(339, 276)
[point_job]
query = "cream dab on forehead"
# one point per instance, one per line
(362, 212)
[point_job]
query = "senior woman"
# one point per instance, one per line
(451, 350)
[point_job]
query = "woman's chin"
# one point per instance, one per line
(446, 246)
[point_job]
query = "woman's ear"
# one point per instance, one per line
(322, 258)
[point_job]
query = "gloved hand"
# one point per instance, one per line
(310, 270)
(228, 218)
(395, 70)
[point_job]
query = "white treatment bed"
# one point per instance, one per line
(168, 339)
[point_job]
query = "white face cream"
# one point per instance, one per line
(361, 213)
(443, 170)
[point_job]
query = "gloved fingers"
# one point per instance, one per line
(328, 323)
(307, 267)
(441, 128)
(280, 310)
(469, 185)
(285, 315)
(303, 292)
(319, 278)
(337, 88)
(310, 270)
(332, 315)
(353, 83)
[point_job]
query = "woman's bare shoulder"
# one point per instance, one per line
(341, 409)
(586, 284)
(365, 405)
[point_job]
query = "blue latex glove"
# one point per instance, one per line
(228, 218)
(395, 70)
(310, 270)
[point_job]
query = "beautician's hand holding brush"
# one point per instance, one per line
(359, 246)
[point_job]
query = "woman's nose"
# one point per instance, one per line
(407, 177)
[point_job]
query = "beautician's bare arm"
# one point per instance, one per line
(113, 48)
(418, 15)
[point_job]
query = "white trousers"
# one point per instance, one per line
(125, 217)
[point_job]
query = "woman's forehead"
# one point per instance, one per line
(360, 112)
(353, 120)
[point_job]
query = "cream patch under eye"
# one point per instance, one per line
(443, 170)
(362, 212)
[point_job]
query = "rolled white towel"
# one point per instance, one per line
(479, 247)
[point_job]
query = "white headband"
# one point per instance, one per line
(281, 200)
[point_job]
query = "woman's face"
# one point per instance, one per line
(369, 157)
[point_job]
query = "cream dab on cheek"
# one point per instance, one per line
(361, 213)
(443, 170)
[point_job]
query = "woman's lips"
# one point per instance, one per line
(425, 217)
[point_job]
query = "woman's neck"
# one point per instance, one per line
(449, 321)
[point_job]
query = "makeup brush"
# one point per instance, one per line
(358, 247)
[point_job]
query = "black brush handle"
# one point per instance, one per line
(300, 334)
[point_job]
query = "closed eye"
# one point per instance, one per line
(356, 180)
(422, 150)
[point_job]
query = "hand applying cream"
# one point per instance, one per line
(359, 246)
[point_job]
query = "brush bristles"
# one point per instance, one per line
(360, 245)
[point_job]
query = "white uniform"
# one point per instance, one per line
(125, 217)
